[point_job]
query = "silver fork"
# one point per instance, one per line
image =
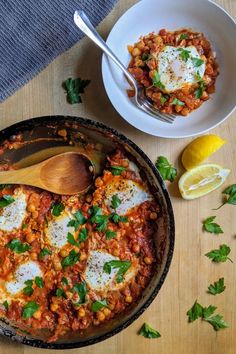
(81, 20)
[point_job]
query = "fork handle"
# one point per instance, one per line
(81, 20)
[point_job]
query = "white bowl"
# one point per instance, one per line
(152, 15)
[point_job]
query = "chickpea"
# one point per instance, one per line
(62, 132)
(185, 111)
(69, 295)
(31, 208)
(125, 163)
(57, 264)
(130, 48)
(204, 96)
(107, 312)
(116, 252)
(153, 216)
(63, 253)
(53, 307)
(100, 315)
(140, 45)
(37, 315)
(111, 306)
(135, 52)
(81, 312)
(34, 256)
(30, 238)
(88, 198)
(83, 257)
(136, 248)
(148, 260)
(99, 182)
(128, 299)
(35, 214)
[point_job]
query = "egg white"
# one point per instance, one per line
(57, 229)
(99, 280)
(174, 72)
(12, 215)
(130, 193)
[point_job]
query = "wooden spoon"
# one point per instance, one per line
(68, 173)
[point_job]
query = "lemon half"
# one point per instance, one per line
(200, 149)
(202, 180)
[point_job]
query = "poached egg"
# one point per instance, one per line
(13, 214)
(57, 229)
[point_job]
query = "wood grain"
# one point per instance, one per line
(191, 272)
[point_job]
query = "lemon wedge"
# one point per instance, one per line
(202, 180)
(200, 149)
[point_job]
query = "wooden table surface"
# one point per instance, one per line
(191, 272)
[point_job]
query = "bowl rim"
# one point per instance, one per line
(33, 122)
(105, 68)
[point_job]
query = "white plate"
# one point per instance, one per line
(152, 15)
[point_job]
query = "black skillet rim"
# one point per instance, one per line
(31, 123)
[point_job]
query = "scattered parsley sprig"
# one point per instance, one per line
(217, 288)
(166, 170)
(212, 227)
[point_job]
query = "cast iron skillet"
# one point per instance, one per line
(41, 135)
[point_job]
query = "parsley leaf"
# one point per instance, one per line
(98, 305)
(147, 56)
(78, 220)
(28, 290)
(117, 170)
(197, 62)
(44, 252)
(148, 332)
(167, 171)
(220, 255)
(74, 88)
(39, 282)
(60, 292)
(57, 209)
(6, 305)
(208, 311)
(163, 99)
(230, 193)
(118, 218)
(64, 281)
(29, 309)
(217, 288)
(156, 81)
(183, 36)
(199, 91)
(83, 235)
(71, 239)
(6, 200)
(217, 322)
(82, 290)
(195, 312)
(115, 201)
(177, 102)
(97, 218)
(122, 267)
(110, 234)
(212, 227)
(184, 54)
(18, 247)
(71, 259)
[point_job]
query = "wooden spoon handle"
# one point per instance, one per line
(28, 176)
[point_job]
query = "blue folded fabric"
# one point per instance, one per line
(34, 32)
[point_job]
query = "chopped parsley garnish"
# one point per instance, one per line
(39, 282)
(78, 220)
(6, 305)
(83, 234)
(6, 200)
(177, 102)
(98, 305)
(212, 227)
(184, 54)
(98, 218)
(183, 36)
(205, 313)
(57, 209)
(18, 247)
(147, 56)
(29, 309)
(44, 252)
(82, 290)
(71, 259)
(60, 292)
(28, 290)
(230, 193)
(64, 281)
(24, 226)
(117, 170)
(197, 62)
(115, 201)
(74, 87)
(163, 99)
(148, 332)
(156, 81)
(219, 255)
(122, 267)
(118, 218)
(166, 170)
(71, 239)
(110, 234)
(217, 288)
(201, 88)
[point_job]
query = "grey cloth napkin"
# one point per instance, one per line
(34, 32)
